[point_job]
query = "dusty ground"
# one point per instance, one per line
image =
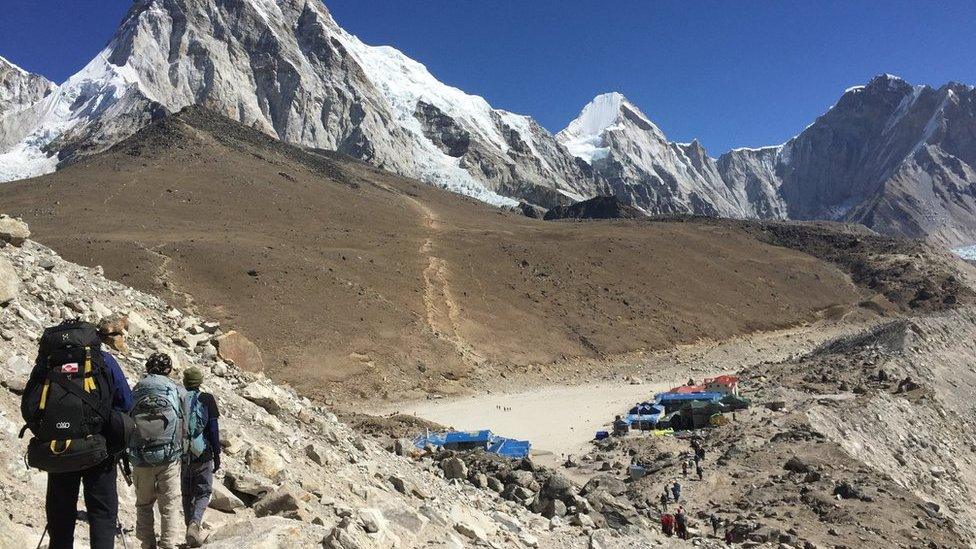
(561, 420)
(358, 284)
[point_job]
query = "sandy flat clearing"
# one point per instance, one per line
(560, 420)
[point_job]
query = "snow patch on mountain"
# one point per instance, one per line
(584, 135)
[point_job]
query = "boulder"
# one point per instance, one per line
(471, 531)
(248, 487)
(138, 325)
(454, 468)
(9, 282)
(371, 520)
(16, 370)
(266, 533)
(558, 487)
(553, 508)
(286, 499)
(224, 500)
(236, 349)
(263, 396)
(61, 284)
(346, 535)
(13, 231)
(606, 483)
(797, 465)
(265, 461)
(317, 453)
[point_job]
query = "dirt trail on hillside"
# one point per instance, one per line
(361, 285)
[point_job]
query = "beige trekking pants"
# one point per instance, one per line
(160, 484)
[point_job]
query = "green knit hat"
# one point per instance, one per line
(192, 377)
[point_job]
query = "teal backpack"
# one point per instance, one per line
(196, 423)
(158, 415)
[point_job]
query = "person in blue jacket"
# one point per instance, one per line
(101, 490)
(198, 470)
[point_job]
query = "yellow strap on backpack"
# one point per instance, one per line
(44, 394)
(89, 380)
(54, 449)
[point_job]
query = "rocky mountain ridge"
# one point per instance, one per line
(288, 69)
(895, 157)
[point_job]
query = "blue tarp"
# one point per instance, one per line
(674, 401)
(470, 440)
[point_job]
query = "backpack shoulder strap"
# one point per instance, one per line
(87, 397)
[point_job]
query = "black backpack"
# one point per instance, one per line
(69, 407)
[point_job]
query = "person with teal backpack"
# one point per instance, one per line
(202, 457)
(156, 452)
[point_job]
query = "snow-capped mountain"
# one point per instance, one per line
(641, 166)
(287, 68)
(20, 89)
(897, 158)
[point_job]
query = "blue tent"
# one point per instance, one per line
(674, 401)
(473, 440)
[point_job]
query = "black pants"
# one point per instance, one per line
(101, 501)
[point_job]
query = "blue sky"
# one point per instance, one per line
(731, 74)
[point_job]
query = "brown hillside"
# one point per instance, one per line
(363, 283)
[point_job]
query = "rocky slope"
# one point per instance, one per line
(294, 476)
(859, 442)
(288, 69)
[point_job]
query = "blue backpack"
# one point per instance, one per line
(196, 424)
(158, 415)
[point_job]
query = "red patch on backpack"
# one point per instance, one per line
(71, 368)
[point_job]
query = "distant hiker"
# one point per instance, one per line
(156, 452)
(698, 470)
(729, 538)
(684, 468)
(202, 459)
(664, 500)
(74, 404)
(676, 491)
(667, 524)
(681, 523)
(716, 522)
(700, 453)
(620, 426)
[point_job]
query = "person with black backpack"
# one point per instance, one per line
(75, 404)
(203, 454)
(156, 450)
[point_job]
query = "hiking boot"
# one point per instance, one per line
(195, 535)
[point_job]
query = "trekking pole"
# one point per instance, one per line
(120, 532)
(44, 533)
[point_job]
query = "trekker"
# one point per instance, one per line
(681, 523)
(620, 426)
(684, 468)
(156, 452)
(664, 500)
(667, 524)
(716, 522)
(203, 458)
(676, 491)
(76, 398)
(699, 471)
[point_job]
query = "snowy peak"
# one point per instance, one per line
(585, 137)
(20, 89)
(287, 68)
